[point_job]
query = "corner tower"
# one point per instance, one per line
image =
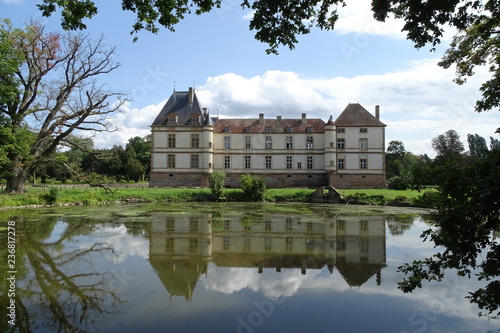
(181, 154)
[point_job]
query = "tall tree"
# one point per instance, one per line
(494, 143)
(466, 229)
(396, 147)
(134, 170)
(448, 144)
(142, 148)
(477, 145)
(50, 88)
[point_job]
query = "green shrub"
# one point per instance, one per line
(401, 200)
(31, 199)
(50, 197)
(377, 199)
(364, 199)
(398, 183)
(253, 187)
(90, 199)
(217, 184)
(427, 199)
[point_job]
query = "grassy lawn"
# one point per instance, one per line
(388, 194)
(85, 195)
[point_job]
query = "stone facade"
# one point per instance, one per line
(358, 181)
(189, 145)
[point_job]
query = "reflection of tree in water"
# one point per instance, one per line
(58, 288)
(399, 224)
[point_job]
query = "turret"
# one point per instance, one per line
(330, 146)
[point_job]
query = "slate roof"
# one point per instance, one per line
(179, 104)
(255, 126)
(356, 115)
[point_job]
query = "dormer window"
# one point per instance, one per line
(247, 129)
(288, 129)
(195, 119)
(227, 129)
(309, 129)
(268, 129)
(172, 119)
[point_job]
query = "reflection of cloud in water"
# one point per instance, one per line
(124, 244)
(272, 284)
(446, 297)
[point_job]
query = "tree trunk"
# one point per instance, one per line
(16, 181)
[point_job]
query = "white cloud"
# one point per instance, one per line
(131, 122)
(417, 103)
(248, 15)
(357, 17)
(12, 2)
(274, 93)
(123, 244)
(272, 284)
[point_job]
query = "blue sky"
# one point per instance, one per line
(360, 61)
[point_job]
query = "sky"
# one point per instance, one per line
(361, 61)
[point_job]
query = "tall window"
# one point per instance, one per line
(309, 142)
(363, 143)
(341, 224)
(289, 142)
(248, 142)
(341, 163)
(171, 161)
(227, 162)
(269, 142)
(171, 140)
(363, 163)
(309, 162)
(195, 140)
(248, 162)
(195, 161)
(340, 143)
(269, 164)
(227, 142)
(289, 162)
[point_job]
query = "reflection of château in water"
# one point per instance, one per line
(182, 245)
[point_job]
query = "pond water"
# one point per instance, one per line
(225, 268)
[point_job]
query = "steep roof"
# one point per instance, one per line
(356, 115)
(183, 106)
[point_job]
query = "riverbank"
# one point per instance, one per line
(84, 195)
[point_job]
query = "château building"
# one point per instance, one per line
(189, 145)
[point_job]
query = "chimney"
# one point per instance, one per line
(303, 118)
(278, 123)
(191, 95)
(261, 118)
(377, 112)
